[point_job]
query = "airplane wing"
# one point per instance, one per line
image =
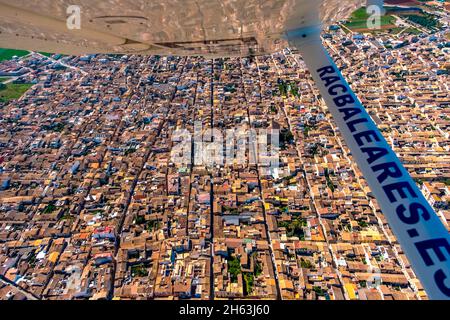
(165, 27)
(422, 235)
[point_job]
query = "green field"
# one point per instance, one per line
(13, 91)
(46, 54)
(358, 20)
(7, 54)
(425, 20)
(3, 79)
(412, 30)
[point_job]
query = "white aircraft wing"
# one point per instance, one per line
(178, 27)
(422, 235)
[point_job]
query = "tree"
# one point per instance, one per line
(49, 209)
(363, 224)
(249, 280)
(140, 220)
(234, 268)
(139, 271)
(258, 268)
(319, 291)
(286, 137)
(152, 225)
(306, 264)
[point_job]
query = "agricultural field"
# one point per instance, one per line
(359, 18)
(7, 54)
(358, 21)
(425, 20)
(46, 54)
(12, 91)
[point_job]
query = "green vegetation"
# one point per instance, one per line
(308, 128)
(229, 88)
(46, 54)
(258, 268)
(67, 216)
(139, 271)
(153, 225)
(2, 79)
(360, 14)
(363, 224)
(7, 54)
(286, 138)
(319, 291)
(285, 88)
(284, 209)
(306, 264)
(234, 268)
(49, 209)
(425, 20)
(139, 220)
(56, 127)
(12, 91)
(315, 149)
(229, 210)
(329, 182)
(294, 90)
(413, 31)
(294, 227)
(130, 151)
(249, 280)
(32, 259)
(282, 87)
(346, 227)
(359, 19)
(273, 109)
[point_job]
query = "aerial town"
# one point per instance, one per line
(92, 205)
